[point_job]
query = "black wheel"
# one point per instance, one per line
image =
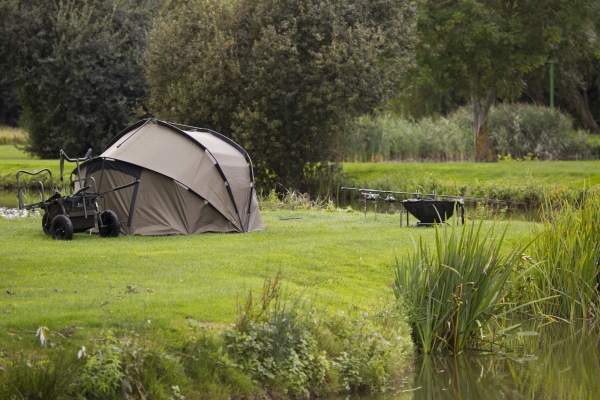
(62, 228)
(108, 224)
(46, 224)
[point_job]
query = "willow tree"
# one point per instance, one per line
(281, 77)
(483, 48)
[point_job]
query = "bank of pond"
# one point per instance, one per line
(469, 314)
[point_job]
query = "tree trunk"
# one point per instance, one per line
(481, 133)
(580, 101)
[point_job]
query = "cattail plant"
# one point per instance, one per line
(454, 290)
(568, 249)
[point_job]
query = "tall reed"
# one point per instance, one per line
(517, 131)
(568, 248)
(452, 292)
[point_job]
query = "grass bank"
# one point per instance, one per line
(528, 181)
(169, 290)
(12, 159)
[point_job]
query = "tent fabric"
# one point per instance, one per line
(183, 180)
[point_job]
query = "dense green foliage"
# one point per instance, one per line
(76, 69)
(282, 78)
(575, 52)
(480, 51)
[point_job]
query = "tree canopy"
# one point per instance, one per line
(482, 51)
(75, 67)
(483, 48)
(280, 77)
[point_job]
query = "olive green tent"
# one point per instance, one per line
(178, 180)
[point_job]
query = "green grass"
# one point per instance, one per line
(568, 173)
(12, 160)
(530, 182)
(343, 259)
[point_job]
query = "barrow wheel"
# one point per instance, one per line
(46, 224)
(108, 224)
(62, 228)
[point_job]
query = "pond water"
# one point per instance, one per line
(558, 361)
(8, 199)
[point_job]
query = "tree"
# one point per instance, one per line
(280, 77)
(576, 54)
(483, 48)
(75, 67)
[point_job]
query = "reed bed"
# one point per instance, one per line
(568, 250)
(517, 131)
(453, 291)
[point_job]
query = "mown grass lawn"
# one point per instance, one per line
(341, 260)
(568, 173)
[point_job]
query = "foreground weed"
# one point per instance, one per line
(568, 250)
(294, 349)
(454, 291)
(126, 364)
(44, 373)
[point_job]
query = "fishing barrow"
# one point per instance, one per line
(73, 213)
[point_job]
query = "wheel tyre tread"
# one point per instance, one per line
(62, 228)
(111, 227)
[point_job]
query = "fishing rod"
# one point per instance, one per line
(373, 194)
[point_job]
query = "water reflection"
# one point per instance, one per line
(8, 198)
(560, 362)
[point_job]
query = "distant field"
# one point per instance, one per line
(467, 173)
(9, 135)
(12, 160)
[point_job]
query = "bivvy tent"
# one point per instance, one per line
(175, 179)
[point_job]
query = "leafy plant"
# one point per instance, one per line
(123, 363)
(271, 344)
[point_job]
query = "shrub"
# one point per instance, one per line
(522, 129)
(45, 373)
(296, 350)
(126, 364)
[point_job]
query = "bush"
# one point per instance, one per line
(76, 69)
(522, 129)
(281, 78)
(44, 373)
(297, 350)
(127, 364)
